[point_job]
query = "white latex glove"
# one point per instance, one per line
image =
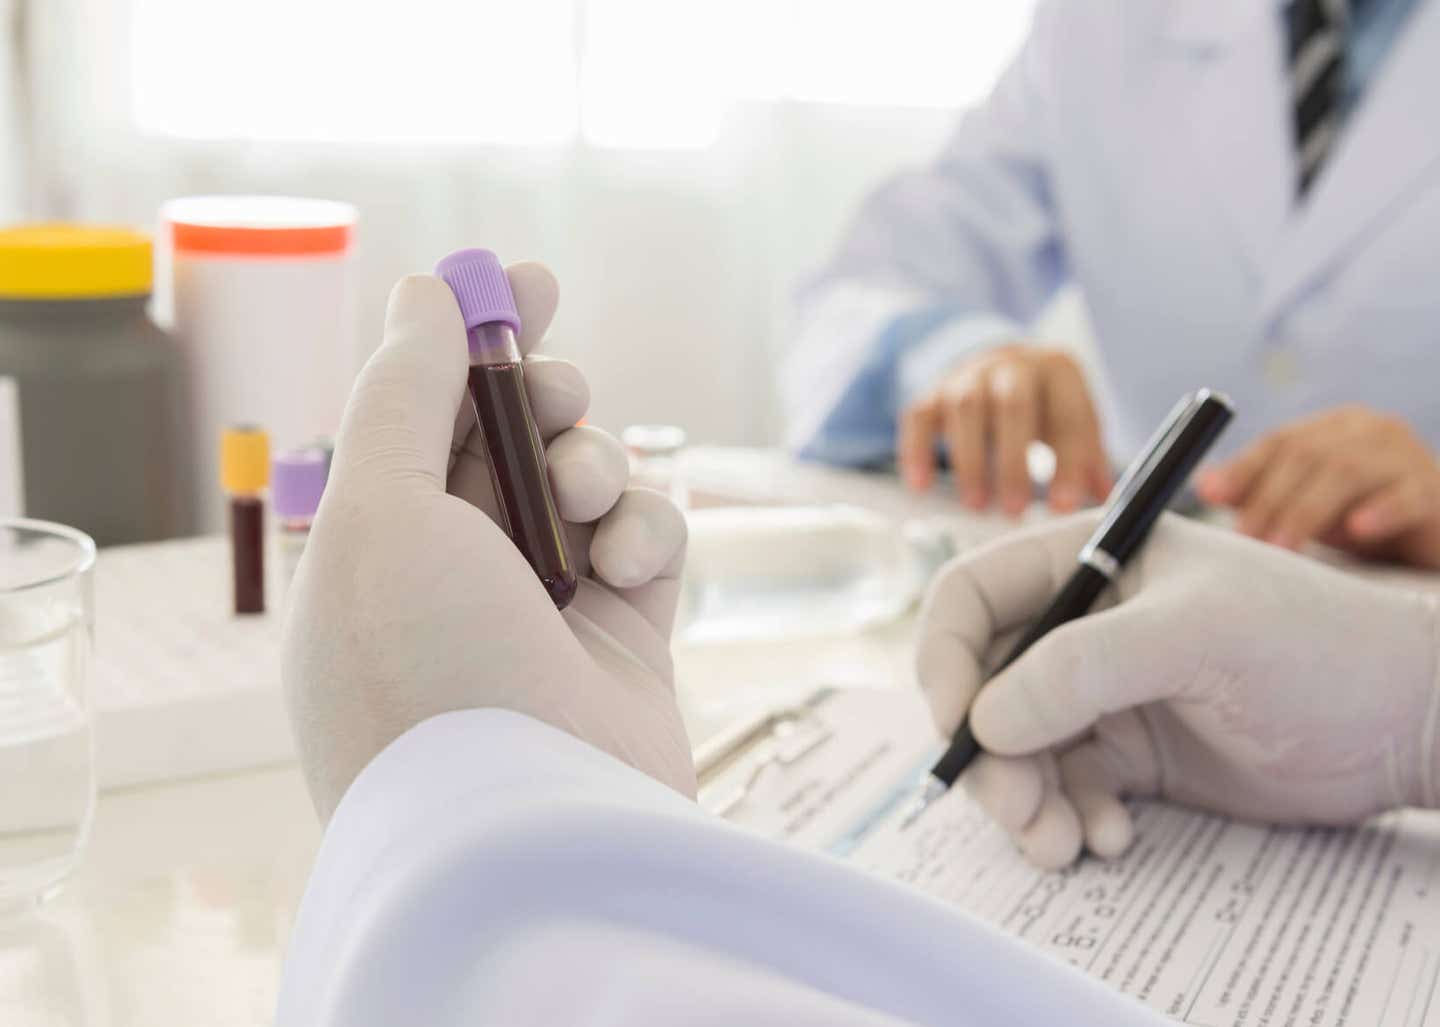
(410, 601)
(1218, 672)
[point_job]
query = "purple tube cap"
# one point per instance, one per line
(477, 279)
(297, 481)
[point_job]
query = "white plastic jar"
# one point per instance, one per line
(261, 301)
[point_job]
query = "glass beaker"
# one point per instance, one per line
(47, 766)
(656, 455)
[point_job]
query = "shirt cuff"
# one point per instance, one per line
(925, 361)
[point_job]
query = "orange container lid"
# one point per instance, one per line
(273, 226)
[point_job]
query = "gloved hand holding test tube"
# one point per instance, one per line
(412, 602)
(512, 440)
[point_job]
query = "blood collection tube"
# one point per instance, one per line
(244, 473)
(512, 441)
(297, 483)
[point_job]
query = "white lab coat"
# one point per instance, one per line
(1142, 149)
(487, 869)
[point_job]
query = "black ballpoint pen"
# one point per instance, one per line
(1137, 502)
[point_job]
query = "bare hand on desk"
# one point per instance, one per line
(988, 410)
(411, 602)
(1353, 478)
(1219, 673)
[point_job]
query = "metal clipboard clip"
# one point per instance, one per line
(780, 739)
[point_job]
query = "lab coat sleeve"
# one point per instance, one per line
(939, 263)
(489, 869)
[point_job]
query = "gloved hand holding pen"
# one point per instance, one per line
(411, 602)
(1220, 673)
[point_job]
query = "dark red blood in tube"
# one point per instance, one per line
(520, 475)
(247, 543)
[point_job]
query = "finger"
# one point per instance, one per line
(1273, 492)
(640, 539)
(1014, 424)
(978, 597)
(465, 434)
(1008, 789)
(537, 294)
(1229, 483)
(1102, 479)
(639, 549)
(1066, 682)
(588, 471)
(1094, 791)
(949, 666)
(558, 393)
(915, 445)
(1322, 502)
(1392, 510)
(469, 479)
(1053, 838)
(963, 413)
(399, 420)
(1073, 431)
(1080, 474)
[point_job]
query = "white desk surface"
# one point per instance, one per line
(179, 912)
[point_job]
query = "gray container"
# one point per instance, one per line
(100, 406)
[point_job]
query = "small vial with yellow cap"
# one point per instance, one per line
(244, 475)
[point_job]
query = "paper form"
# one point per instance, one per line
(1210, 921)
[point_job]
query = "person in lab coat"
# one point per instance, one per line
(508, 790)
(1247, 194)
(511, 834)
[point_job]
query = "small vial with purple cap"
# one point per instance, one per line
(512, 441)
(297, 481)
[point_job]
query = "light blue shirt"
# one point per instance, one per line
(909, 353)
(1374, 25)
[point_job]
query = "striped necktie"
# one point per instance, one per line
(1317, 59)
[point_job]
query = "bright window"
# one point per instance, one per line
(918, 53)
(629, 73)
(657, 72)
(355, 70)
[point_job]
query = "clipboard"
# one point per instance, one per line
(779, 739)
(814, 772)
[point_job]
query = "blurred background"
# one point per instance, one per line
(680, 165)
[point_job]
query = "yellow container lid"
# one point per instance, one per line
(59, 261)
(244, 460)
